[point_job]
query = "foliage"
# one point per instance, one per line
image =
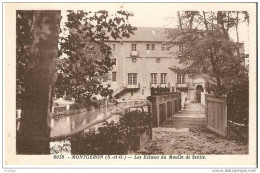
(238, 104)
(23, 42)
(85, 49)
(87, 54)
(115, 138)
(207, 50)
(78, 106)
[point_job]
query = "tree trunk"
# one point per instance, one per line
(218, 83)
(39, 81)
(179, 17)
(220, 20)
(205, 21)
(238, 52)
(191, 20)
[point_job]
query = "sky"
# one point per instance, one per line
(158, 15)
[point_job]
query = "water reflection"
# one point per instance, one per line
(67, 124)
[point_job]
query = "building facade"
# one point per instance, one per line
(143, 61)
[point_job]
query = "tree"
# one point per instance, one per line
(24, 37)
(207, 48)
(39, 73)
(88, 56)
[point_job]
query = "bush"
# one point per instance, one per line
(238, 104)
(115, 138)
(93, 103)
(78, 106)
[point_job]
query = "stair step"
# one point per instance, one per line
(191, 111)
(183, 126)
(185, 119)
(189, 114)
(192, 116)
(185, 122)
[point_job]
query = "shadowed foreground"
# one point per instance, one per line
(193, 141)
(186, 133)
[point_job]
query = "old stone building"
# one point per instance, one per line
(143, 62)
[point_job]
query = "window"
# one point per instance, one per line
(167, 47)
(132, 78)
(147, 46)
(181, 79)
(113, 47)
(178, 78)
(134, 47)
(153, 46)
(114, 76)
(153, 78)
(162, 46)
(163, 78)
(114, 61)
(180, 47)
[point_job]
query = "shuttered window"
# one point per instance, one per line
(153, 78)
(153, 46)
(114, 76)
(147, 46)
(132, 78)
(134, 47)
(181, 79)
(163, 78)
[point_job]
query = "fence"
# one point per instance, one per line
(164, 106)
(159, 91)
(216, 114)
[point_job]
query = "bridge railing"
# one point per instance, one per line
(164, 106)
(159, 91)
(216, 114)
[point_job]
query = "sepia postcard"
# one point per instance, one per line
(130, 84)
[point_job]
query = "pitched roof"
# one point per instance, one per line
(147, 34)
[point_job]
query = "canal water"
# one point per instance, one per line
(67, 124)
